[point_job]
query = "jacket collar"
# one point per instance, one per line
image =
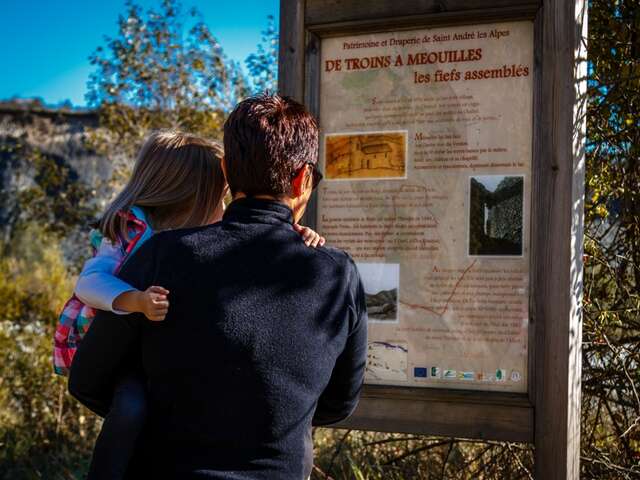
(255, 210)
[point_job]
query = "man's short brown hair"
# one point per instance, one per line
(267, 139)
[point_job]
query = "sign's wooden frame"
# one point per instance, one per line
(549, 414)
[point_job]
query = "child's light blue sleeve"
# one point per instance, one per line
(97, 284)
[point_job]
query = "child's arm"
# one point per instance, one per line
(152, 302)
(311, 237)
(99, 288)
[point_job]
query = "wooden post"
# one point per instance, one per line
(291, 53)
(561, 104)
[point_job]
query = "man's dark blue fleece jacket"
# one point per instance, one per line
(265, 337)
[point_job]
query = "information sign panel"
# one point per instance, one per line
(426, 147)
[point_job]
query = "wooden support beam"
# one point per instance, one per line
(338, 11)
(559, 189)
(291, 55)
(457, 413)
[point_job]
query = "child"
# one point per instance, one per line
(177, 182)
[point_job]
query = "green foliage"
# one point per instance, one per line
(611, 332)
(263, 65)
(43, 432)
(154, 76)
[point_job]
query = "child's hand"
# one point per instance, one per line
(154, 303)
(311, 237)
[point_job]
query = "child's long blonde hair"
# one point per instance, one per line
(177, 179)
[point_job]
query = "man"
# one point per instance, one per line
(265, 336)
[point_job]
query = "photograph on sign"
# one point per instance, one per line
(372, 155)
(495, 215)
(426, 145)
(381, 285)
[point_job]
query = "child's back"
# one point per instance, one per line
(177, 181)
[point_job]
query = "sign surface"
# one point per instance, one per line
(426, 147)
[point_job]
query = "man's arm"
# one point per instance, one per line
(111, 341)
(340, 398)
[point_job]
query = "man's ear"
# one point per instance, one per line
(298, 183)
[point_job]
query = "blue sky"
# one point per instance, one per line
(45, 43)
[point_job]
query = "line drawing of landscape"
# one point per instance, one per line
(496, 210)
(381, 283)
(366, 156)
(387, 361)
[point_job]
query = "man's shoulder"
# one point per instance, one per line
(203, 238)
(337, 256)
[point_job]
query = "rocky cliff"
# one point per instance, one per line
(29, 130)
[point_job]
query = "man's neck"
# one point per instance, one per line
(289, 202)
